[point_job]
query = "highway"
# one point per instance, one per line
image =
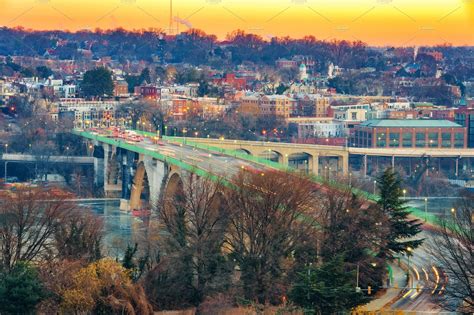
(211, 162)
(427, 282)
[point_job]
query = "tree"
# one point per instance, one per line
(356, 229)
(194, 221)
(452, 248)
(327, 289)
(134, 111)
(271, 213)
(36, 225)
(104, 287)
(79, 236)
(43, 72)
(402, 229)
(20, 290)
(97, 83)
(29, 218)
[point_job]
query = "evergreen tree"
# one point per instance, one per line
(97, 82)
(326, 289)
(402, 229)
(20, 290)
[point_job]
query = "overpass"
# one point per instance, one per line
(331, 161)
(29, 158)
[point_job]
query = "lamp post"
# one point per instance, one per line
(375, 186)
(409, 250)
(404, 194)
(426, 208)
(6, 147)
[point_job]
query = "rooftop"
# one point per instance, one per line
(410, 123)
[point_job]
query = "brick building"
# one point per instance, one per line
(386, 133)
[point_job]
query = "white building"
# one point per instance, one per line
(321, 129)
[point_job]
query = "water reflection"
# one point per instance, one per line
(120, 227)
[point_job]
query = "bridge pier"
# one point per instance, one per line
(315, 164)
(99, 166)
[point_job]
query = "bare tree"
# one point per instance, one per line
(134, 111)
(453, 249)
(33, 220)
(354, 228)
(194, 221)
(271, 214)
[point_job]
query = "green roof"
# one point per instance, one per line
(410, 123)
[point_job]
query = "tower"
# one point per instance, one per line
(303, 74)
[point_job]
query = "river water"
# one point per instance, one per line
(120, 227)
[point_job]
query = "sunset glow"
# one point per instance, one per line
(402, 22)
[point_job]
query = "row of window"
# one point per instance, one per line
(421, 140)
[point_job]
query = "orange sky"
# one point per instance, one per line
(377, 22)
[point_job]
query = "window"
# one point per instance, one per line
(394, 139)
(433, 139)
(420, 140)
(458, 140)
(407, 140)
(446, 140)
(381, 140)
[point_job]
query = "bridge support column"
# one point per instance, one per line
(315, 165)
(283, 160)
(99, 166)
(343, 163)
(393, 161)
(364, 162)
(457, 168)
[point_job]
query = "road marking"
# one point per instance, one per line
(426, 274)
(407, 294)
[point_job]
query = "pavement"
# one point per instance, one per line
(392, 293)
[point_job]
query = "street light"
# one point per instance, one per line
(409, 250)
(426, 208)
(375, 186)
(6, 147)
(404, 194)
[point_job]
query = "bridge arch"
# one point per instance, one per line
(140, 195)
(242, 150)
(303, 162)
(272, 155)
(174, 187)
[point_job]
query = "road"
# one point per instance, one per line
(427, 282)
(214, 163)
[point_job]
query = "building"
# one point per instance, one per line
(351, 113)
(465, 118)
(85, 114)
(422, 133)
(312, 105)
(121, 88)
(318, 127)
(230, 79)
(277, 105)
(250, 105)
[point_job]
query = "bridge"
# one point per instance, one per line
(145, 170)
(333, 161)
(29, 158)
